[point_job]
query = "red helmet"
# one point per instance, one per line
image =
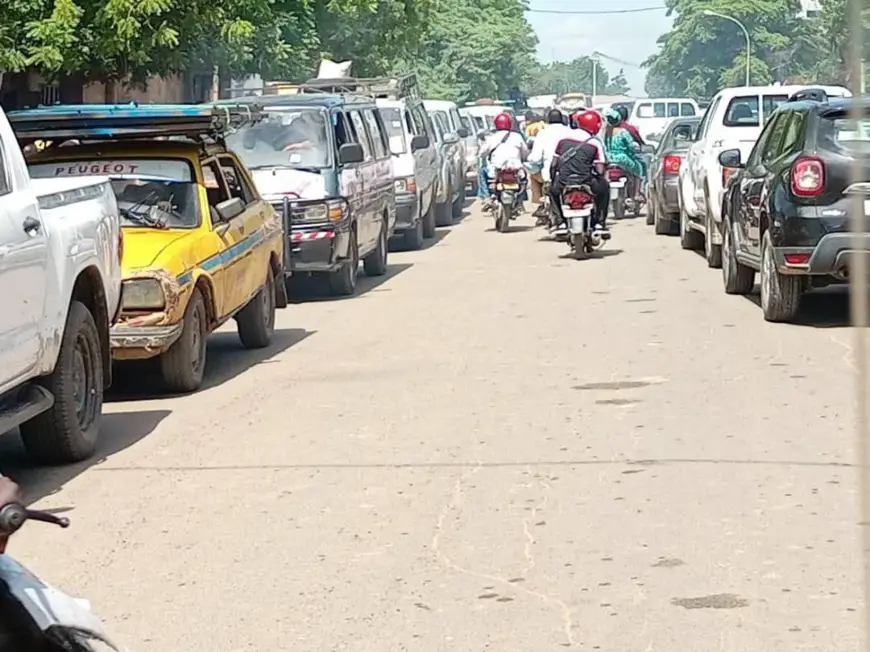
(588, 121)
(503, 122)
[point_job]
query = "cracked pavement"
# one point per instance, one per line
(494, 448)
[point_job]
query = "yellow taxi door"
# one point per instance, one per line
(247, 259)
(222, 239)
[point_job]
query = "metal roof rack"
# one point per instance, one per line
(91, 122)
(393, 88)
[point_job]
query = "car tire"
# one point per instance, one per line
(182, 367)
(256, 321)
(375, 264)
(342, 282)
(736, 277)
(68, 431)
(458, 205)
(444, 212)
(780, 293)
(712, 252)
(413, 239)
(651, 210)
(689, 240)
(430, 220)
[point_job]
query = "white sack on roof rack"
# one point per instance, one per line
(332, 70)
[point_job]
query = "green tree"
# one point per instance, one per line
(576, 76)
(702, 54)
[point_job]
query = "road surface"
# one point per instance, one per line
(493, 448)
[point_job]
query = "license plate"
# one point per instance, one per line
(618, 184)
(614, 192)
(510, 186)
(577, 225)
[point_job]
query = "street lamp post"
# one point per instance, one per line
(708, 12)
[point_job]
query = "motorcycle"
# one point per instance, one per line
(578, 204)
(36, 616)
(623, 195)
(507, 192)
(543, 212)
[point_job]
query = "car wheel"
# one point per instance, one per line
(443, 213)
(651, 210)
(256, 321)
(430, 219)
(182, 367)
(68, 431)
(736, 277)
(375, 264)
(712, 252)
(458, 205)
(342, 282)
(780, 293)
(689, 239)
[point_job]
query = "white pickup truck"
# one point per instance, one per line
(60, 284)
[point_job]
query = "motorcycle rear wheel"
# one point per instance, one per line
(504, 224)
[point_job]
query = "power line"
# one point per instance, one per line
(598, 13)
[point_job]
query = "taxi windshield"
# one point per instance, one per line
(289, 137)
(154, 193)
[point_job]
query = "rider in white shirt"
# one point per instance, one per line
(546, 142)
(504, 148)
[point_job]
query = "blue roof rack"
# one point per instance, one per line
(130, 121)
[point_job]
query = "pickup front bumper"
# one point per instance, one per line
(141, 342)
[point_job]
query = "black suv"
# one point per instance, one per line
(785, 212)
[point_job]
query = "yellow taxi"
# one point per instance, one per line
(200, 244)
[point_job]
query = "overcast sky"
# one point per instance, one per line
(630, 37)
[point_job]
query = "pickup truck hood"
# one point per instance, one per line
(278, 182)
(50, 186)
(146, 248)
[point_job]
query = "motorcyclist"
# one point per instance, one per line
(581, 160)
(623, 150)
(543, 151)
(534, 124)
(504, 148)
(634, 131)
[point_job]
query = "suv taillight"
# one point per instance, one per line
(807, 176)
(671, 163)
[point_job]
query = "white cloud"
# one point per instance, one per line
(630, 37)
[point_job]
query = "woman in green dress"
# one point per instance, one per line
(622, 149)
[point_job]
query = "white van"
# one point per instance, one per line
(651, 115)
(415, 166)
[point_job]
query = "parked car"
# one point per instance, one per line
(450, 195)
(663, 180)
(472, 147)
(327, 155)
(651, 116)
(60, 277)
(786, 210)
(733, 120)
(415, 167)
(188, 265)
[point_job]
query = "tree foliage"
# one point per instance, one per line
(702, 53)
(576, 76)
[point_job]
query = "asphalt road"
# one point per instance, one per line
(493, 448)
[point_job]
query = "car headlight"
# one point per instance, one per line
(143, 294)
(408, 184)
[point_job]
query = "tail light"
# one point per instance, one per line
(727, 173)
(577, 199)
(672, 163)
(507, 176)
(807, 176)
(615, 173)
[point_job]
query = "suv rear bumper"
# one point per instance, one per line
(830, 257)
(407, 212)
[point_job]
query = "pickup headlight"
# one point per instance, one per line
(408, 184)
(143, 294)
(333, 210)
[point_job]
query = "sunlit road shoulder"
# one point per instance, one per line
(497, 447)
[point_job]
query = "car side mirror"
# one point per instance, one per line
(462, 132)
(730, 158)
(418, 142)
(649, 148)
(451, 138)
(230, 209)
(350, 153)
